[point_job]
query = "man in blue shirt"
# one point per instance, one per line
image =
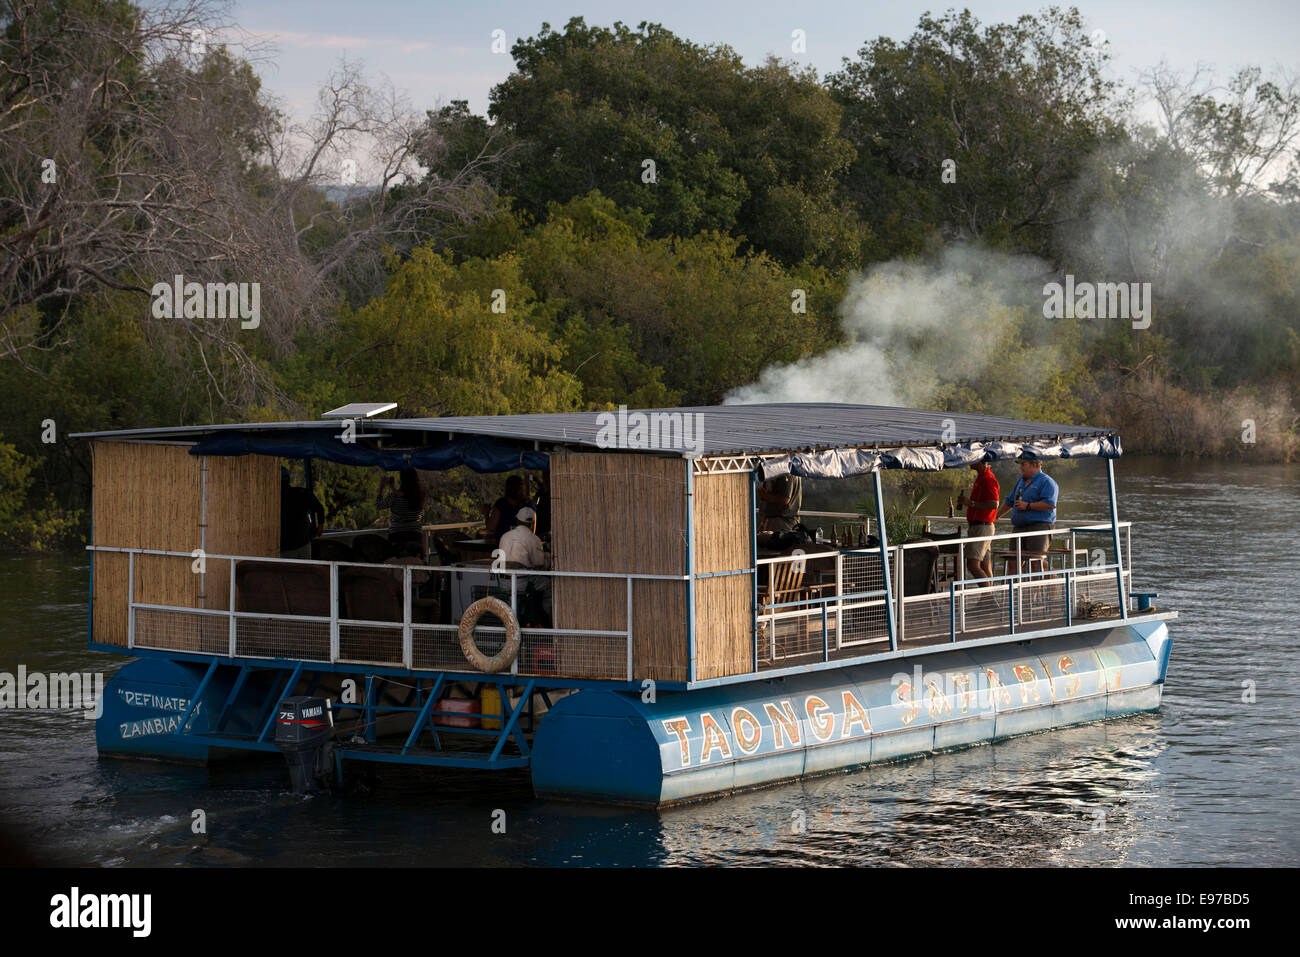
(1032, 503)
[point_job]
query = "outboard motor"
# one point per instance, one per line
(303, 728)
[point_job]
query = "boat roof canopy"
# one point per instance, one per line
(806, 439)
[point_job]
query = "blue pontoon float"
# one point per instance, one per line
(677, 660)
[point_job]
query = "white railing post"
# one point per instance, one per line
(1120, 596)
(334, 612)
(895, 632)
(231, 610)
(902, 595)
(1128, 561)
(406, 616)
(771, 628)
(629, 627)
(961, 575)
(130, 599)
(1069, 598)
(514, 608)
(1017, 583)
(839, 598)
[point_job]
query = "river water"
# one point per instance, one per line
(1213, 778)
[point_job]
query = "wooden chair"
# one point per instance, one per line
(371, 594)
(786, 583)
(278, 588)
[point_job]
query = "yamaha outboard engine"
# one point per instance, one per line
(303, 728)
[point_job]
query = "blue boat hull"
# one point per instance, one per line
(146, 699)
(618, 747)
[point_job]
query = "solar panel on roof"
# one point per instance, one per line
(359, 410)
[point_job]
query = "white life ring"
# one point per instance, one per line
(509, 651)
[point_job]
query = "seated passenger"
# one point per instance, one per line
(503, 515)
(521, 548)
(405, 504)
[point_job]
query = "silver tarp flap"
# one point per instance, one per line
(841, 463)
(960, 456)
(836, 463)
(916, 459)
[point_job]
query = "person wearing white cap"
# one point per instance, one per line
(522, 547)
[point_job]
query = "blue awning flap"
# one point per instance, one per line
(478, 453)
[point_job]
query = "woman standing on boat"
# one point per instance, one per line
(405, 503)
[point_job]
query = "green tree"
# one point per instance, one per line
(707, 313)
(434, 344)
(22, 525)
(752, 152)
(1017, 107)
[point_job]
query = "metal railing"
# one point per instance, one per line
(839, 606)
(839, 609)
(398, 640)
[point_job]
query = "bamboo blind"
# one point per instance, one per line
(243, 516)
(619, 512)
(151, 496)
(723, 606)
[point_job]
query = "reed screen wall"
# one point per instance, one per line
(621, 512)
(624, 512)
(148, 495)
(724, 620)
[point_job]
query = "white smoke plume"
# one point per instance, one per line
(912, 327)
(917, 332)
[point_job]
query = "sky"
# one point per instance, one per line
(437, 51)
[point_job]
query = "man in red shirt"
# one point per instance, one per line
(980, 516)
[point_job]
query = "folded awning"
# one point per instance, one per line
(841, 463)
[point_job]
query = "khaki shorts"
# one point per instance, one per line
(978, 551)
(1034, 544)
